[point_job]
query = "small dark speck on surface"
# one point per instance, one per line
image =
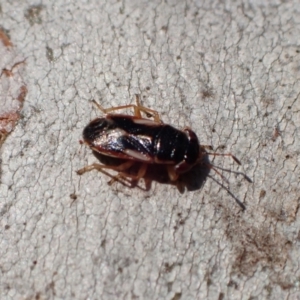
(33, 14)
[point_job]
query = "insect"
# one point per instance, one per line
(134, 138)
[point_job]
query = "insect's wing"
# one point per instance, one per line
(123, 136)
(137, 147)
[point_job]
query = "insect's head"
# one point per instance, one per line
(95, 129)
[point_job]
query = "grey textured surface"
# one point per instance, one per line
(230, 70)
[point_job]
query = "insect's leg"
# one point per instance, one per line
(173, 176)
(141, 173)
(115, 178)
(95, 166)
(147, 111)
(100, 168)
(124, 176)
(138, 108)
(108, 110)
(172, 173)
(180, 186)
(148, 184)
(225, 154)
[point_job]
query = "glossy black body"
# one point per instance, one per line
(142, 140)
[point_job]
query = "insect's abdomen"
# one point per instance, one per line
(176, 146)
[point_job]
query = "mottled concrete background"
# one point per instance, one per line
(228, 69)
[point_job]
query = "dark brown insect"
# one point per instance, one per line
(133, 139)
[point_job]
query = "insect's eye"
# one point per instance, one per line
(95, 129)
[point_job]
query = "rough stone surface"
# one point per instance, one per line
(229, 70)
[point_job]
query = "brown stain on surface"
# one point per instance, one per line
(8, 120)
(23, 93)
(259, 246)
(10, 72)
(5, 38)
(33, 14)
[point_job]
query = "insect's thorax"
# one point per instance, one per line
(141, 139)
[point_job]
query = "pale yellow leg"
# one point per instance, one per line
(120, 168)
(95, 166)
(141, 173)
(138, 108)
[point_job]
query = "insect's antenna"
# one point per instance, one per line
(242, 205)
(210, 166)
(225, 154)
(234, 172)
(202, 160)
